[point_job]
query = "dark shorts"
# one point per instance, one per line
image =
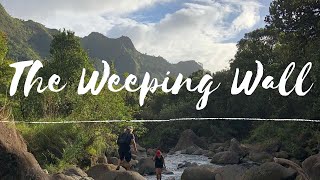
(159, 166)
(124, 154)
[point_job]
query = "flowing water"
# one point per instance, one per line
(172, 162)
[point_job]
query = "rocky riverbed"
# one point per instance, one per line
(177, 163)
(191, 159)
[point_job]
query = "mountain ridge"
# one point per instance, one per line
(31, 40)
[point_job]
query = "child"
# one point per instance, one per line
(158, 163)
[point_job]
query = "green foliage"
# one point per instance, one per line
(6, 73)
(299, 139)
(3, 46)
(68, 58)
(59, 145)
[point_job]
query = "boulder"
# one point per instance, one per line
(198, 173)
(60, 176)
(109, 172)
(229, 172)
(15, 160)
(134, 156)
(235, 146)
(191, 150)
(226, 157)
(103, 172)
(311, 166)
(209, 154)
(200, 152)
(260, 157)
(142, 152)
(219, 149)
(187, 139)
(134, 163)
(281, 154)
(268, 171)
(214, 146)
(146, 166)
(187, 164)
(151, 152)
(129, 175)
(75, 171)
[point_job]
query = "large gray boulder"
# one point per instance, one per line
(146, 166)
(75, 171)
(269, 171)
(129, 175)
(61, 176)
(109, 172)
(141, 153)
(311, 166)
(236, 147)
(198, 173)
(230, 172)
(15, 160)
(260, 157)
(188, 139)
(103, 172)
(226, 157)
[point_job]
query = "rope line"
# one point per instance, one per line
(160, 120)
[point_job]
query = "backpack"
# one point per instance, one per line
(124, 138)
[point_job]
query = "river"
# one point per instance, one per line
(172, 162)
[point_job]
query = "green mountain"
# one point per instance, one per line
(30, 40)
(126, 58)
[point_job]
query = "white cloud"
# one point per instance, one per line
(45, 7)
(196, 31)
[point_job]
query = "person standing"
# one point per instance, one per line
(124, 141)
(159, 164)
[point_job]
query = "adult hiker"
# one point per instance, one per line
(158, 163)
(124, 141)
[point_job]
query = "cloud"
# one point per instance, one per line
(43, 7)
(198, 30)
(195, 32)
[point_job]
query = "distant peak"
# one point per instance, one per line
(126, 41)
(3, 12)
(97, 34)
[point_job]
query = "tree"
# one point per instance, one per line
(3, 46)
(68, 58)
(295, 16)
(6, 72)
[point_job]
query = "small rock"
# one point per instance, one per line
(102, 160)
(113, 160)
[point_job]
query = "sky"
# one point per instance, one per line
(178, 30)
